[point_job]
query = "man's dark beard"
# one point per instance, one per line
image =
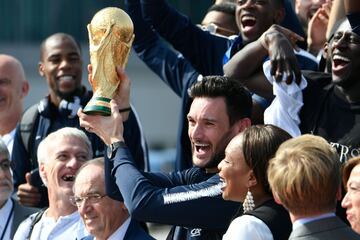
(215, 160)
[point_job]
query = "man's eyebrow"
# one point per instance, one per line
(209, 119)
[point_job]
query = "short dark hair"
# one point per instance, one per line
(225, 7)
(57, 35)
(259, 145)
(237, 98)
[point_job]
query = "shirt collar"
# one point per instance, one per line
(4, 214)
(303, 221)
(119, 234)
(9, 136)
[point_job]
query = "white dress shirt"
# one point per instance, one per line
(5, 212)
(119, 234)
(247, 227)
(9, 140)
(66, 227)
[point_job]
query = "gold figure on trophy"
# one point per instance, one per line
(111, 33)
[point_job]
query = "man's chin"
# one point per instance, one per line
(5, 193)
(69, 94)
(201, 163)
(208, 163)
(67, 189)
(250, 36)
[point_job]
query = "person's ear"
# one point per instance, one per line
(41, 69)
(242, 124)
(252, 182)
(25, 89)
(276, 198)
(42, 173)
(325, 52)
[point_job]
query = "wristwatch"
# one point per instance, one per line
(111, 149)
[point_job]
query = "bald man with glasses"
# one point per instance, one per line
(104, 218)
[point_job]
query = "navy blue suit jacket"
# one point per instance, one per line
(134, 232)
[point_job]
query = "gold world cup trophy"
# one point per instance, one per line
(110, 39)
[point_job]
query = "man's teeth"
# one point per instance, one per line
(248, 18)
(200, 146)
(223, 183)
(66, 78)
(341, 58)
(68, 178)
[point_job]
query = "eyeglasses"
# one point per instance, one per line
(215, 29)
(91, 199)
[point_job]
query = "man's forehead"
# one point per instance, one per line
(59, 45)
(209, 108)
(61, 51)
(89, 180)
(67, 146)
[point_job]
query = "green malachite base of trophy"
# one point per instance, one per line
(98, 106)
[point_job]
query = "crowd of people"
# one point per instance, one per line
(268, 143)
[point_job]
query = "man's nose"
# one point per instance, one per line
(197, 131)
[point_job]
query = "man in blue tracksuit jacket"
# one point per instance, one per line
(171, 66)
(190, 199)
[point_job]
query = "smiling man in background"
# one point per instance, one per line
(60, 155)
(13, 89)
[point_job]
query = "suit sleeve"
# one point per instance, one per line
(167, 63)
(205, 51)
(168, 198)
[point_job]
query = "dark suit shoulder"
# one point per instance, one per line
(20, 209)
(332, 228)
(136, 232)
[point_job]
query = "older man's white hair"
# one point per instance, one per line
(42, 152)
